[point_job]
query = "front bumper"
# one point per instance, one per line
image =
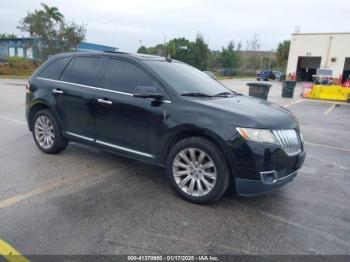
(249, 187)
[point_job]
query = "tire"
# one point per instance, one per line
(45, 119)
(188, 178)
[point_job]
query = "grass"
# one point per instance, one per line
(14, 76)
(17, 67)
(224, 77)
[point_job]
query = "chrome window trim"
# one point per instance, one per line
(86, 86)
(80, 136)
(93, 87)
(124, 149)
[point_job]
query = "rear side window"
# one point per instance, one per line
(124, 76)
(84, 71)
(55, 69)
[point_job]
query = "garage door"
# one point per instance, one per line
(346, 72)
(307, 67)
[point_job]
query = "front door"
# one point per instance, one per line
(123, 122)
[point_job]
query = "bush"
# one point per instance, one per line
(18, 66)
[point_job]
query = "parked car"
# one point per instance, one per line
(265, 75)
(164, 112)
(278, 75)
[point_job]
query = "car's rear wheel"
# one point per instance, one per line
(47, 134)
(198, 170)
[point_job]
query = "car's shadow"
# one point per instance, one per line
(138, 182)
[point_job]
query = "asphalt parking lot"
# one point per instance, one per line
(86, 201)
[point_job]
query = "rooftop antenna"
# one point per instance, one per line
(297, 29)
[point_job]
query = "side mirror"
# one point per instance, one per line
(147, 92)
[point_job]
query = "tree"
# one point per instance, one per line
(199, 53)
(229, 57)
(253, 58)
(253, 44)
(178, 48)
(239, 47)
(53, 33)
(142, 50)
(53, 13)
(214, 60)
(7, 36)
(159, 50)
(283, 53)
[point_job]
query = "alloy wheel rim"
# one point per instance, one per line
(194, 172)
(44, 132)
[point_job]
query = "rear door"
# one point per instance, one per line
(124, 122)
(75, 96)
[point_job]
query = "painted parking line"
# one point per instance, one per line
(10, 253)
(13, 120)
(328, 147)
(18, 198)
(55, 185)
(294, 103)
(327, 102)
(330, 109)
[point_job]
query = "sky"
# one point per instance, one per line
(128, 23)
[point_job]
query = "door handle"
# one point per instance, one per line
(104, 101)
(57, 91)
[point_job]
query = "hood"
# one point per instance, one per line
(247, 111)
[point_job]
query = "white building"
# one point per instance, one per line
(310, 51)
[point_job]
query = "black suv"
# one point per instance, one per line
(167, 113)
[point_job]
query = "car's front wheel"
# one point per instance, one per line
(47, 134)
(198, 170)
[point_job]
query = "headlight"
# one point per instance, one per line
(258, 135)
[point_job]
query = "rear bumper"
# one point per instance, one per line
(249, 187)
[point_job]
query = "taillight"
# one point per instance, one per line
(27, 87)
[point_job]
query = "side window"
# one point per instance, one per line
(54, 70)
(124, 76)
(84, 71)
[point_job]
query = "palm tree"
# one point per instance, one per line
(53, 13)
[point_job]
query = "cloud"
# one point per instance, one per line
(123, 23)
(112, 28)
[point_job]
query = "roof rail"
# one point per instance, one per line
(114, 52)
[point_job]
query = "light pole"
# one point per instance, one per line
(261, 61)
(272, 50)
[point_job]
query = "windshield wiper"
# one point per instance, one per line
(196, 94)
(226, 94)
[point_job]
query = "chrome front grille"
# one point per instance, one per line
(289, 140)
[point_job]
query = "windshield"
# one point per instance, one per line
(186, 79)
